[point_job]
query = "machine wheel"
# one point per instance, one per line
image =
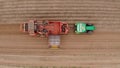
(35, 27)
(89, 24)
(75, 27)
(63, 27)
(45, 22)
(89, 32)
(44, 30)
(26, 26)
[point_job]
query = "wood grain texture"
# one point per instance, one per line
(99, 50)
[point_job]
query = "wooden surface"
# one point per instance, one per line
(99, 50)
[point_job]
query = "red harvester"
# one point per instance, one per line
(50, 29)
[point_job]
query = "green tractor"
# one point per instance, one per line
(81, 27)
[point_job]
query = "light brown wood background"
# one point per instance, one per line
(100, 50)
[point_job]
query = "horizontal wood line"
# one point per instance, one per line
(59, 6)
(48, 8)
(56, 16)
(59, 15)
(54, 12)
(65, 1)
(58, 19)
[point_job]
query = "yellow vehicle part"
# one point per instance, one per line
(54, 47)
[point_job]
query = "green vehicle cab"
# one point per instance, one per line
(81, 27)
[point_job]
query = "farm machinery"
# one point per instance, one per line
(50, 29)
(81, 27)
(54, 29)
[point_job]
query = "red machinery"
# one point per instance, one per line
(50, 29)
